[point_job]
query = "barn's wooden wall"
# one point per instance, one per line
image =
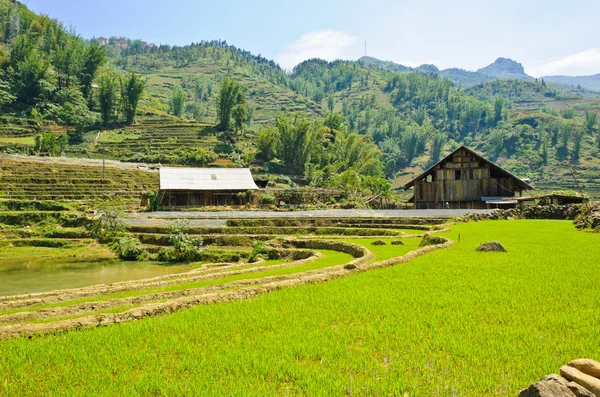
(475, 181)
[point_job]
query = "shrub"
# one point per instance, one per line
(108, 226)
(267, 199)
(128, 249)
(259, 249)
(186, 248)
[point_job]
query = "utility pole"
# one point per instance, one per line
(103, 165)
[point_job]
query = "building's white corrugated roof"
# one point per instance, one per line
(173, 178)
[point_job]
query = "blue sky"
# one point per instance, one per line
(547, 37)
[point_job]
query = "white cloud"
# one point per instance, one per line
(580, 64)
(325, 44)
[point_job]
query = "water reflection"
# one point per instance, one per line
(21, 276)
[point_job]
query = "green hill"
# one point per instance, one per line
(587, 82)
(342, 112)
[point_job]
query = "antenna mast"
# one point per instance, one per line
(365, 47)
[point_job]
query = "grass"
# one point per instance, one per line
(329, 259)
(28, 140)
(387, 251)
(453, 322)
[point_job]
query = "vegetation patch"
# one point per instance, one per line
(452, 312)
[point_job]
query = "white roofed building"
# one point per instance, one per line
(192, 187)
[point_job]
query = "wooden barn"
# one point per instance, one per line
(465, 180)
(193, 187)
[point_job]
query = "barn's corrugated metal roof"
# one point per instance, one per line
(173, 178)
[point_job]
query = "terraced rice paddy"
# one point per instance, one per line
(302, 260)
(156, 140)
(26, 179)
(447, 321)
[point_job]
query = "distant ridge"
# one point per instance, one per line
(504, 68)
(501, 68)
(589, 82)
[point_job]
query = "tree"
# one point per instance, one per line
(495, 142)
(239, 114)
(498, 106)
(267, 143)
(54, 145)
(437, 144)
(131, 91)
(565, 136)
(108, 96)
(296, 137)
(177, 101)
(5, 95)
(590, 120)
(231, 94)
(73, 111)
(335, 122)
(544, 146)
(331, 103)
(578, 135)
(93, 59)
(30, 78)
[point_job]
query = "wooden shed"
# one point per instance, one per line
(192, 187)
(466, 180)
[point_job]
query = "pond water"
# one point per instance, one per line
(22, 276)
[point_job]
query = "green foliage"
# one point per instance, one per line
(185, 247)
(568, 112)
(231, 94)
(108, 226)
(330, 103)
(544, 147)
(128, 249)
(496, 142)
(498, 107)
(44, 59)
(259, 249)
(155, 198)
(578, 136)
(591, 117)
(108, 96)
(50, 143)
(94, 58)
(267, 143)
(512, 90)
(73, 110)
(296, 139)
(177, 101)
(131, 91)
(267, 199)
(197, 156)
(503, 287)
(6, 97)
(437, 144)
(239, 113)
(565, 135)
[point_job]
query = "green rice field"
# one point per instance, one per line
(451, 322)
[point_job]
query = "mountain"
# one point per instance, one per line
(389, 65)
(504, 68)
(589, 82)
(404, 118)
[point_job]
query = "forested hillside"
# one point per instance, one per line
(339, 124)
